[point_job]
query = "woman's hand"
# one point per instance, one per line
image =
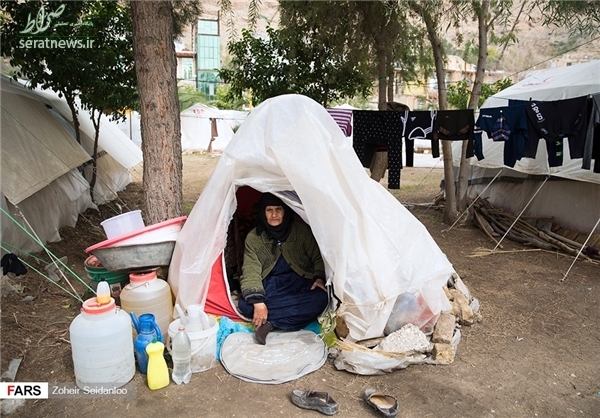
(318, 283)
(260, 314)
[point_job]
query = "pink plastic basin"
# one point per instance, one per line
(163, 231)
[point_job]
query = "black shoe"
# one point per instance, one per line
(318, 401)
(262, 332)
(386, 404)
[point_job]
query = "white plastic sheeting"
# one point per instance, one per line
(40, 166)
(374, 248)
(196, 132)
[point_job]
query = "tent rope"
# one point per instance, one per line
(521, 213)
(475, 200)
(75, 296)
(424, 178)
(580, 250)
(53, 257)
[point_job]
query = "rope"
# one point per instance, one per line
(580, 250)
(519, 216)
(39, 242)
(47, 278)
(473, 202)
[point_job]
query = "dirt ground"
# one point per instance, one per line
(534, 354)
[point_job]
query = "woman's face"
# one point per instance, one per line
(274, 215)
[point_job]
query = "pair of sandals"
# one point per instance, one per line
(387, 405)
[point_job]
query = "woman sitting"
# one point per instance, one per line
(283, 274)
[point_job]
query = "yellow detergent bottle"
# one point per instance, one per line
(158, 372)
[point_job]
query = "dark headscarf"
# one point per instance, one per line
(277, 233)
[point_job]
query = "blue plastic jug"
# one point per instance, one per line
(148, 331)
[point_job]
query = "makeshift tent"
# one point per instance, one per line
(374, 249)
(571, 196)
(43, 166)
(196, 129)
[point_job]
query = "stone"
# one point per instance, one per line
(443, 353)
(465, 316)
(444, 328)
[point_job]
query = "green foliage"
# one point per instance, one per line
(188, 96)
(459, 93)
(51, 55)
(287, 64)
(184, 13)
(579, 16)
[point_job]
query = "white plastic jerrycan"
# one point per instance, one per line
(195, 320)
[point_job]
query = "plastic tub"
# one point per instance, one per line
(123, 223)
(161, 232)
(204, 344)
(116, 280)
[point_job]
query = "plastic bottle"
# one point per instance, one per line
(158, 372)
(102, 292)
(181, 353)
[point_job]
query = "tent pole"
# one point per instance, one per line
(475, 200)
(580, 250)
(521, 213)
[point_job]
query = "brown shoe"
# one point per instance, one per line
(262, 332)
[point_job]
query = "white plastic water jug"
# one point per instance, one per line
(146, 293)
(102, 346)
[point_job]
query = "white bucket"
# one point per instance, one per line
(123, 223)
(204, 344)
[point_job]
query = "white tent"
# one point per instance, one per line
(571, 196)
(374, 248)
(196, 131)
(43, 174)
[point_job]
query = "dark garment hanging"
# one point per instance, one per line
(591, 148)
(453, 125)
(11, 264)
(555, 121)
(507, 124)
(374, 129)
(394, 126)
(369, 133)
(418, 124)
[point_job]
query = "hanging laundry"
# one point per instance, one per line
(394, 127)
(418, 124)
(374, 129)
(507, 124)
(343, 117)
(555, 121)
(591, 148)
(369, 133)
(453, 125)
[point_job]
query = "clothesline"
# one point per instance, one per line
(520, 126)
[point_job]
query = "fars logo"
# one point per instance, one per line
(23, 390)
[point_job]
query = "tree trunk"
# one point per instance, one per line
(463, 173)
(379, 162)
(450, 213)
(74, 114)
(156, 70)
(96, 116)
